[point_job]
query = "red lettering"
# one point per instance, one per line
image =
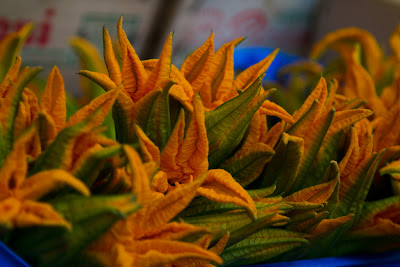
(41, 34)
(4, 27)
(45, 27)
(18, 25)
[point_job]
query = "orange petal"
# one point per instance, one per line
(162, 210)
(150, 151)
(311, 117)
(193, 154)
(159, 252)
(271, 109)
(133, 72)
(14, 169)
(274, 133)
(11, 77)
(140, 180)
(314, 194)
(346, 182)
(320, 93)
(223, 73)
(44, 182)
(101, 79)
(372, 50)
(196, 67)
(103, 103)
(9, 105)
(219, 247)
(391, 94)
(176, 231)
(392, 167)
(220, 186)
(53, 99)
(39, 214)
(27, 112)
(159, 183)
(329, 225)
(346, 118)
(162, 69)
(351, 159)
(249, 75)
(182, 90)
(358, 80)
(381, 227)
(333, 87)
(168, 156)
(9, 209)
(109, 57)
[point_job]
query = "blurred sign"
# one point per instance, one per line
(57, 21)
(281, 24)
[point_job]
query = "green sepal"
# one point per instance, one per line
(244, 169)
(89, 59)
(77, 208)
(374, 208)
(90, 218)
(310, 154)
(309, 225)
(122, 128)
(299, 218)
(200, 206)
(304, 223)
(56, 155)
(323, 244)
(92, 61)
(326, 153)
(14, 97)
(90, 170)
(120, 113)
(153, 115)
(262, 246)
(373, 213)
(239, 224)
(8, 58)
(306, 120)
(354, 199)
(261, 192)
(43, 125)
(11, 46)
(305, 206)
(227, 124)
(282, 169)
(233, 221)
(355, 103)
(261, 223)
(332, 173)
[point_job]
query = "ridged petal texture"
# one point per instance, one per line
(146, 238)
(195, 166)
(19, 195)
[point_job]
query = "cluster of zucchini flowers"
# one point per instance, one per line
(160, 166)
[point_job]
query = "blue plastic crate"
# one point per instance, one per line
(9, 259)
(244, 57)
(388, 259)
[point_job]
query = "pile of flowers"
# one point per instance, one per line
(160, 166)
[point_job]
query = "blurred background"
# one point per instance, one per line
(291, 25)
